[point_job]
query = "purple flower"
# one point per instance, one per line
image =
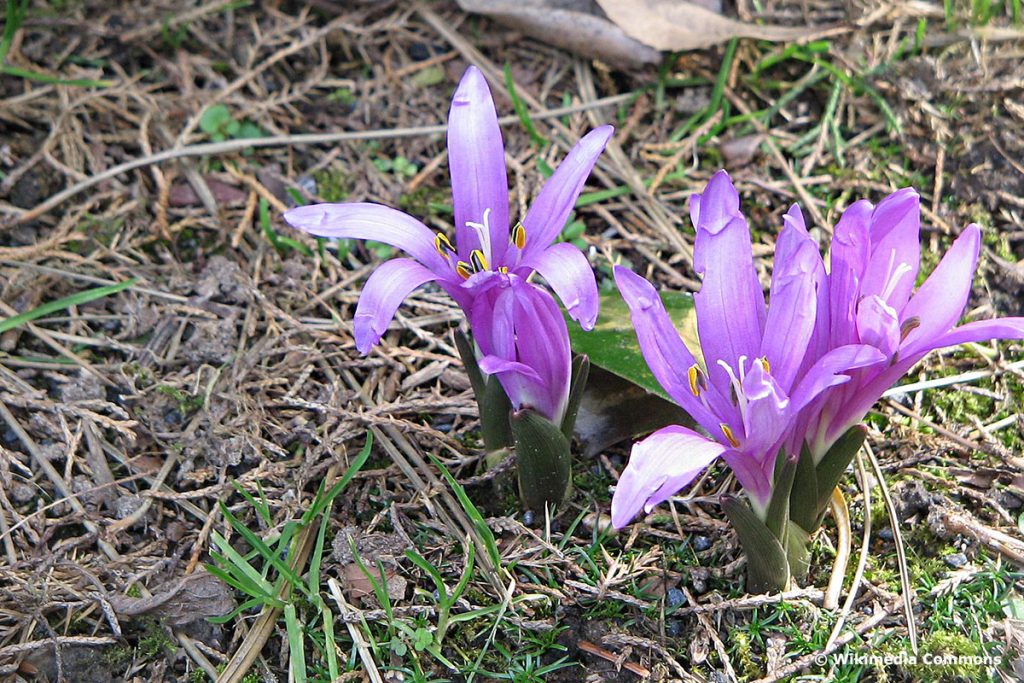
(875, 259)
(753, 383)
(485, 249)
(525, 344)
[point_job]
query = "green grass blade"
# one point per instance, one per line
(520, 108)
(322, 502)
(479, 523)
(60, 304)
(264, 550)
(296, 646)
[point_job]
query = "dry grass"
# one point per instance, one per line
(124, 421)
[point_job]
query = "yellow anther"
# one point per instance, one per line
(693, 374)
(443, 245)
(727, 430)
(503, 270)
(463, 269)
(478, 260)
(519, 236)
(765, 364)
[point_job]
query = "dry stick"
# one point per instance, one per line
(862, 560)
(901, 553)
(228, 146)
(357, 636)
(841, 514)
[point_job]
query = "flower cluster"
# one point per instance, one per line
(782, 388)
(778, 391)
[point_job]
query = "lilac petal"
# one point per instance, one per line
(550, 210)
(476, 159)
(981, 330)
(382, 294)
(938, 303)
(829, 372)
(895, 248)
(730, 304)
(365, 221)
(658, 467)
(791, 314)
(663, 349)
(794, 234)
(528, 348)
(750, 473)
(878, 325)
(493, 365)
(716, 206)
(568, 271)
(849, 257)
(765, 417)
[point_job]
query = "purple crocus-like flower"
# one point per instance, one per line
(753, 384)
(868, 298)
(485, 253)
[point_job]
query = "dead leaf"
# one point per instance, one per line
(358, 585)
(614, 409)
(738, 152)
(196, 596)
(182, 194)
(574, 25)
(682, 25)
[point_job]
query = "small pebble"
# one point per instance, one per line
(673, 628)
(528, 518)
(22, 493)
(674, 598)
(956, 560)
(701, 543)
(885, 534)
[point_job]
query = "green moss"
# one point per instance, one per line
(333, 184)
(940, 646)
(156, 640)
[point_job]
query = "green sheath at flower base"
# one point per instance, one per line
(543, 461)
(767, 565)
(491, 400)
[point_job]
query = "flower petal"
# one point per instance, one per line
(365, 221)
(765, 418)
(981, 330)
(794, 234)
(658, 467)
(878, 325)
(382, 294)
(791, 315)
(550, 210)
(895, 248)
(730, 304)
(829, 372)
(663, 349)
(849, 257)
(939, 302)
(476, 159)
(568, 271)
(529, 348)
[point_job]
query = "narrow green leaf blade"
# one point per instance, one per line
(65, 302)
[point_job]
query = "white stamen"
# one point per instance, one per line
(737, 382)
(483, 232)
(894, 275)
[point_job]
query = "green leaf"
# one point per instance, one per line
(61, 304)
(777, 515)
(834, 463)
(215, 119)
(612, 344)
(296, 645)
(543, 461)
(580, 372)
(803, 500)
(520, 108)
(491, 400)
(767, 566)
